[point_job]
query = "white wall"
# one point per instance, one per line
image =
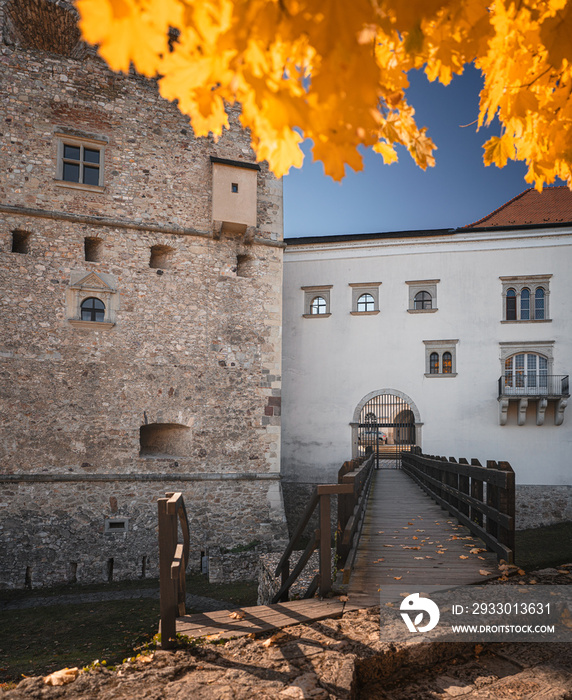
(330, 364)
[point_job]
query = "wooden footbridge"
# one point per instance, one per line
(428, 521)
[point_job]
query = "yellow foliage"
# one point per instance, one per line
(336, 72)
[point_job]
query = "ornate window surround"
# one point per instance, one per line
(531, 282)
(310, 293)
(416, 286)
(440, 347)
(360, 288)
(91, 284)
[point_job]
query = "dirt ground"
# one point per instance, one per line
(336, 658)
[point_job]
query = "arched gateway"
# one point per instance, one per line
(385, 422)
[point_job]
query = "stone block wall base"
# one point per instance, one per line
(538, 506)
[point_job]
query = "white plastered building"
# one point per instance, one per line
(468, 331)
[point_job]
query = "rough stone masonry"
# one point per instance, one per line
(140, 338)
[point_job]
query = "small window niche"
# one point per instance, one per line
(245, 266)
(164, 441)
(234, 194)
(116, 526)
(93, 249)
(161, 257)
(21, 242)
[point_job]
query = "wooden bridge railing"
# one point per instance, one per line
(173, 559)
(354, 479)
(482, 498)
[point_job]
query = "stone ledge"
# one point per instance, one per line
(205, 476)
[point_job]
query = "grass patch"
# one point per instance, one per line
(544, 547)
(39, 640)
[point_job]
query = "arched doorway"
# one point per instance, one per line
(386, 423)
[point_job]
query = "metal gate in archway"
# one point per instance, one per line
(386, 428)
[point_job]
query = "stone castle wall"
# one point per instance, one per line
(191, 346)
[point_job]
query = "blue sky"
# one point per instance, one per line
(399, 197)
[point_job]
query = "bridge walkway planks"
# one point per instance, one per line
(260, 618)
(410, 541)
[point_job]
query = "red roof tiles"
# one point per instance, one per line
(551, 206)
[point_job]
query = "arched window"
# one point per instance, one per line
(423, 300)
(525, 304)
(447, 363)
(92, 309)
(434, 363)
(539, 304)
(366, 303)
(318, 306)
(511, 305)
(526, 373)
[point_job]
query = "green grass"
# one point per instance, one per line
(37, 641)
(544, 547)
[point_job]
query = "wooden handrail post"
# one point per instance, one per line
(168, 587)
(325, 546)
(507, 504)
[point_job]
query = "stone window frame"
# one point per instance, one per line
(71, 137)
(310, 293)
(360, 288)
(110, 530)
(532, 283)
(84, 285)
(416, 286)
(517, 347)
(441, 347)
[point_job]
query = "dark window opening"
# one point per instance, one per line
(164, 440)
(161, 257)
(72, 572)
(143, 567)
(234, 187)
(93, 249)
(434, 363)
(244, 266)
(28, 578)
(525, 304)
(21, 242)
(511, 305)
(539, 304)
(447, 363)
(81, 164)
(423, 300)
(110, 570)
(92, 309)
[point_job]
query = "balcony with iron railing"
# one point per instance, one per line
(534, 385)
(539, 387)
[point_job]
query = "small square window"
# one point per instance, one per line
(116, 525)
(234, 187)
(80, 161)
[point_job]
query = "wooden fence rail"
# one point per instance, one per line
(173, 559)
(354, 479)
(482, 498)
